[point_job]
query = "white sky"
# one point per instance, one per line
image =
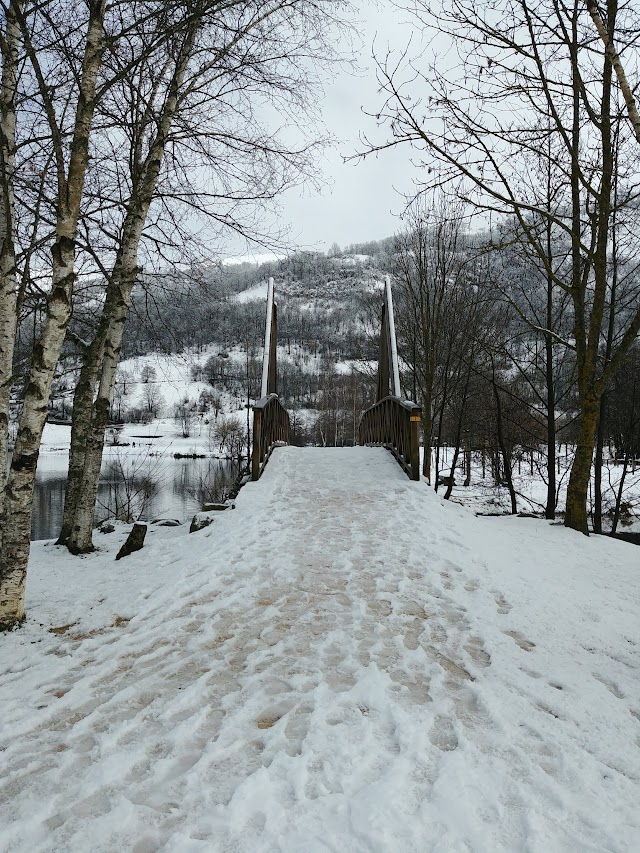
(361, 199)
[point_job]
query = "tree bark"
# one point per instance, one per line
(20, 484)
(506, 455)
(550, 507)
(576, 510)
(619, 493)
(597, 467)
(93, 414)
(80, 426)
(467, 459)
(627, 91)
(462, 412)
(426, 433)
(8, 290)
(587, 334)
(79, 539)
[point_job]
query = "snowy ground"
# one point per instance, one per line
(342, 663)
(483, 496)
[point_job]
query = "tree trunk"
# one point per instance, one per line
(463, 408)
(439, 438)
(8, 293)
(597, 468)
(619, 493)
(454, 462)
(550, 507)
(426, 433)
(80, 427)
(576, 510)
(22, 473)
(506, 455)
(79, 525)
(587, 335)
(18, 499)
(467, 459)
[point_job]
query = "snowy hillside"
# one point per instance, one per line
(319, 278)
(344, 662)
(254, 293)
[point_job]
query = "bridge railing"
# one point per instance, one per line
(270, 428)
(395, 424)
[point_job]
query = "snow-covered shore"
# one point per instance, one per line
(342, 663)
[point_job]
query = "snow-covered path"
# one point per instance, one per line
(342, 663)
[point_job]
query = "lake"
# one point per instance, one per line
(133, 487)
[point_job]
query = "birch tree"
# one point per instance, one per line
(9, 47)
(201, 98)
(61, 51)
(71, 157)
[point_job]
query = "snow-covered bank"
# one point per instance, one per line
(342, 663)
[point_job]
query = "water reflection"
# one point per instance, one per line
(134, 488)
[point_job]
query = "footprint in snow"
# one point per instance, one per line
(503, 604)
(475, 649)
(446, 580)
(611, 687)
(525, 645)
(442, 734)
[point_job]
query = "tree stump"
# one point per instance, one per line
(135, 540)
(199, 522)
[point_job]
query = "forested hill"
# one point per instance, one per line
(322, 298)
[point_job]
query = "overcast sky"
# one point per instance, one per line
(361, 199)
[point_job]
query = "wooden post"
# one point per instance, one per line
(383, 358)
(415, 444)
(393, 343)
(257, 441)
(268, 343)
(272, 376)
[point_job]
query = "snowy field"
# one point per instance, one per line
(342, 663)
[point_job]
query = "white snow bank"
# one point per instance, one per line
(342, 663)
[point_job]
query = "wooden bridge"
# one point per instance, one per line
(392, 422)
(344, 662)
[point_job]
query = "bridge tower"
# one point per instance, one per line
(270, 418)
(392, 422)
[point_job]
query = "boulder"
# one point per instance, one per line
(199, 522)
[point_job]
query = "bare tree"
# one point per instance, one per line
(9, 46)
(198, 102)
(608, 34)
(230, 435)
(531, 78)
(70, 149)
(430, 257)
(185, 414)
(59, 49)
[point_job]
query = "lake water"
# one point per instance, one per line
(133, 488)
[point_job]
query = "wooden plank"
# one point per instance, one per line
(257, 440)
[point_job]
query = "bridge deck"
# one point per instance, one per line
(342, 663)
